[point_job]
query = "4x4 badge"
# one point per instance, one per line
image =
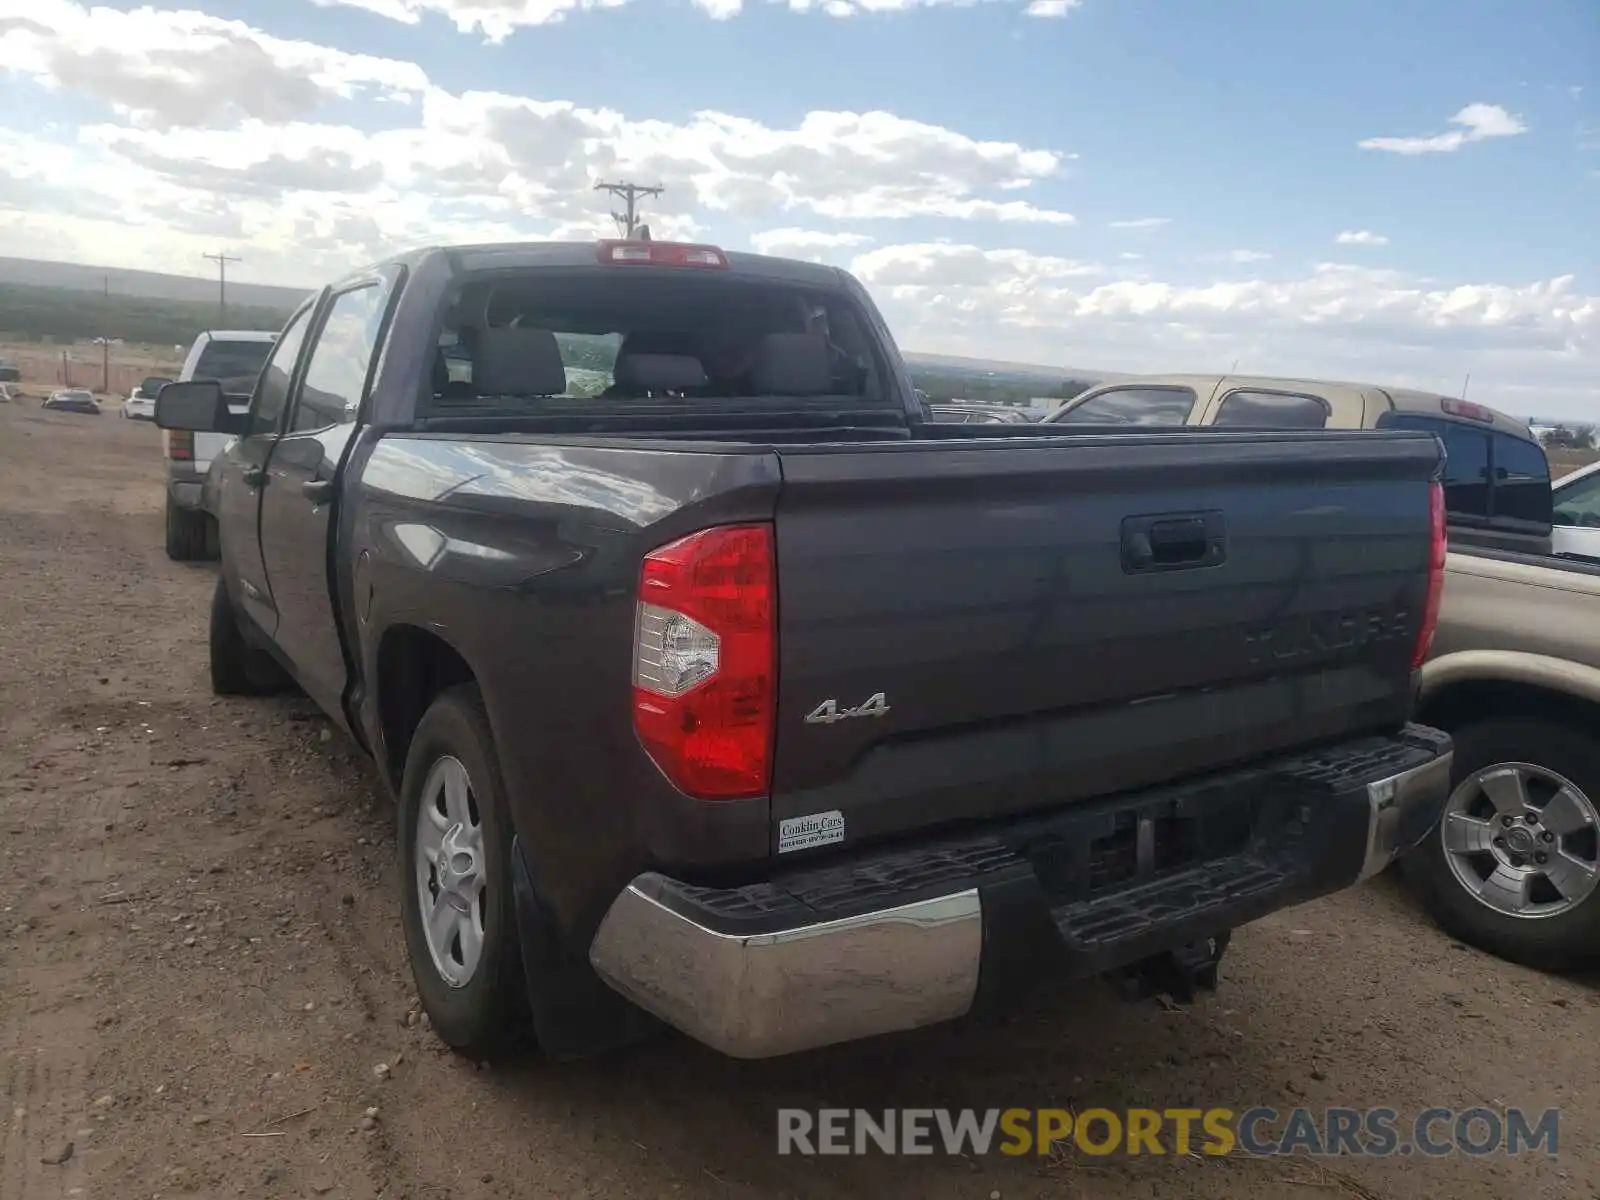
(829, 711)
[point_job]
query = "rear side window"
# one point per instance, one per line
(1132, 406)
(1272, 410)
(1521, 480)
(1487, 475)
(336, 374)
(235, 364)
(272, 393)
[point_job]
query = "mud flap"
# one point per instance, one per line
(573, 1013)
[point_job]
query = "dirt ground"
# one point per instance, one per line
(203, 988)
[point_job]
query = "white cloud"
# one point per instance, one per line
(1527, 345)
(805, 243)
(166, 69)
(1361, 237)
(498, 19)
(215, 135)
(1238, 257)
(220, 107)
(1478, 122)
(943, 264)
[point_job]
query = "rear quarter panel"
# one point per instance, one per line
(524, 559)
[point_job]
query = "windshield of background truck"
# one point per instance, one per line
(234, 364)
(689, 336)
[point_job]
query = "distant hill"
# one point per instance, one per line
(39, 299)
(33, 313)
(149, 285)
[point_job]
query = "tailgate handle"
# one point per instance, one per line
(1173, 541)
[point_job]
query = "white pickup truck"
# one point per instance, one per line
(1576, 498)
(233, 357)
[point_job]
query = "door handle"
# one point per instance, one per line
(1173, 542)
(253, 477)
(319, 491)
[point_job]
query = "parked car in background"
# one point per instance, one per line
(1514, 676)
(141, 402)
(1497, 478)
(9, 371)
(1576, 517)
(75, 400)
(233, 357)
(960, 412)
(1032, 705)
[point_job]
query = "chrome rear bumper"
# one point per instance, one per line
(754, 996)
(755, 972)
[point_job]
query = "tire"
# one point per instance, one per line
(189, 536)
(237, 668)
(1556, 942)
(480, 1013)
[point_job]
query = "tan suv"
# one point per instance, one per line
(1497, 479)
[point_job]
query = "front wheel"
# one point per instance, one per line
(455, 879)
(1514, 864)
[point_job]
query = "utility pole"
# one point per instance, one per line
(222, 261)
(105, 347)
(628, 193)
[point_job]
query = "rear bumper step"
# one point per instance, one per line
(906, 936)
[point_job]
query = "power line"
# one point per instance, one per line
(222, 261)
(628, 193)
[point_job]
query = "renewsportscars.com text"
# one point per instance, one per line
(1372, 1132)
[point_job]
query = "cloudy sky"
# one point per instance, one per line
(1401, 192)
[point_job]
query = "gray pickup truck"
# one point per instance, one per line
(1515, 677)
(719, 687)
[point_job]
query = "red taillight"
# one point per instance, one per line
(1437, 549)
(705, 661)
(180, 445)
(1465, 408)
(661, 254)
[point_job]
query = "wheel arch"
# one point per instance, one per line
(413, 666)
(1460, 687)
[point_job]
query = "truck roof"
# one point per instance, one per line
(240, 335)
(511, 256)
(1406, 400)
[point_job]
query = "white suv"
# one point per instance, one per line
(233, 356)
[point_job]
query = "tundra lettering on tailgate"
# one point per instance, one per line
(1327, 634)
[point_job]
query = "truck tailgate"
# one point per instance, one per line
(973, 629)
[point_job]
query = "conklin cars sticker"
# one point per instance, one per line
(814, 829)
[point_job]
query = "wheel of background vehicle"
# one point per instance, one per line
(237, 668)
(455, 880)
(1514, 865)
(186, 533)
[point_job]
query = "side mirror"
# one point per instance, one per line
(197, 405)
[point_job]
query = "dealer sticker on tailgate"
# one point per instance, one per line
(814, 829)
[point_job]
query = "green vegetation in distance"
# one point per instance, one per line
(29, 313)
(32, 313)
(1569, 437)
